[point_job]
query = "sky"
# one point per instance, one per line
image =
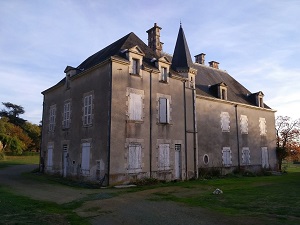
(257, 42)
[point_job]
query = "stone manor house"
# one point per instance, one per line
(131, 111)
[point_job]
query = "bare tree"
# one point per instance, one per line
(287, 134)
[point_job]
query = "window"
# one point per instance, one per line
(260, 102)
(135, 107)
(164, 74)
(244, 124)
(205, 159)
(134, 157)
(164, 110)
(226, 156)
(50, 156)
(223, 93)
(262, 126)
(225, 121)
(245, 156)
(66, 115)
(264, 157)
(135, 66)
(85, 158)
(52, 116)
(164, 157)
(87, 110)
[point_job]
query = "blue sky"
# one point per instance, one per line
(257, 42)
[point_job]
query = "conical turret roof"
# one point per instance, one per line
(181, 58)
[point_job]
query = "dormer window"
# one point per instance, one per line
(135, 66)
(163, 64)
(223, 93)
(258, 99)
(135, 56)
(164, 74)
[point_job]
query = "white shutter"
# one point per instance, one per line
(226, 156)
(246, 156)
(85, 157)
(265, 157)
(50, 156)
(164, 156)
(134, 156)
(135, 106)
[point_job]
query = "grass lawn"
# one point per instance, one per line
(16, 209)
(274, 199)
(20, 160)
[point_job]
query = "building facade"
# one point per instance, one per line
(130, 111)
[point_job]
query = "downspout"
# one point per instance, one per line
(195, 134)
(109, 122)
(237, 136)
(185, 131)
(150, 121)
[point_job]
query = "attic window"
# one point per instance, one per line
(223, 91)
(164, 74)
(135, 66)
(260, 101)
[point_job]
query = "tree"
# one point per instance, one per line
(12, 137)
(287, 137)
(12, 112)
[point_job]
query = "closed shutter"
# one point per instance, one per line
(265, 157)
(85, 158)
(50, 156)
(164, 156)
(135, 106)
(226, 156)
(134, 156)
(246, 156)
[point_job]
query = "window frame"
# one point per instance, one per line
(164, 110)
(163, 74)
(66, 115)
(52, 118)
(87, 117)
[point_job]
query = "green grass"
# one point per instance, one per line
(15, 209)
(19, 160)
(274, 199)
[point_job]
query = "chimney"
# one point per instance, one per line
(200, 58)
(154, 39)
(214, 64)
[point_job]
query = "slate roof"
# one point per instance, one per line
(207, 77)
(114, 49)
(181, 57)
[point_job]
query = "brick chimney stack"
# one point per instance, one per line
(214, 64)
(200, 58)
(154, 39)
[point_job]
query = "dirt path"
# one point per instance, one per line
(127, 208)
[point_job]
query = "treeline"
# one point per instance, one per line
(16, 134)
